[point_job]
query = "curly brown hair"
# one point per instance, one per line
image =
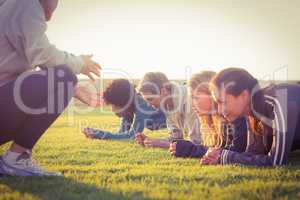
(119, 92)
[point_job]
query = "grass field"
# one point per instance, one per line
(123, 170)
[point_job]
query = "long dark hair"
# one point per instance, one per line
(235, 81)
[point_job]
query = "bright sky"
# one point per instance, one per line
(182, 37)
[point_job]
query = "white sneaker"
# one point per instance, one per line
(23, 166)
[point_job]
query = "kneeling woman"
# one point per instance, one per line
(133, 110)
(214, 130)
(272, 113)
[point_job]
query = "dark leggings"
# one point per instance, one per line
(45, 94)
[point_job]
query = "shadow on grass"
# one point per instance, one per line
(56, 188)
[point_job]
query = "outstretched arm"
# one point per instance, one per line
(93, 99)
(39, 51)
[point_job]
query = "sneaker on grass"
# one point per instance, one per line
(23, 165)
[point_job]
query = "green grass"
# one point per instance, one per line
(95, 169)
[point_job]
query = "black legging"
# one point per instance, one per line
(49, 88)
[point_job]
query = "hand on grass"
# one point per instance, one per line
(212, 157)
(140, 138)
(89, 133)
(172, 148)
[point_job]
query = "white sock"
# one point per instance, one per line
(11, 157)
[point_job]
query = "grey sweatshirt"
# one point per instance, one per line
(23, 42)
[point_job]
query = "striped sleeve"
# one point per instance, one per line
(278, 152)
